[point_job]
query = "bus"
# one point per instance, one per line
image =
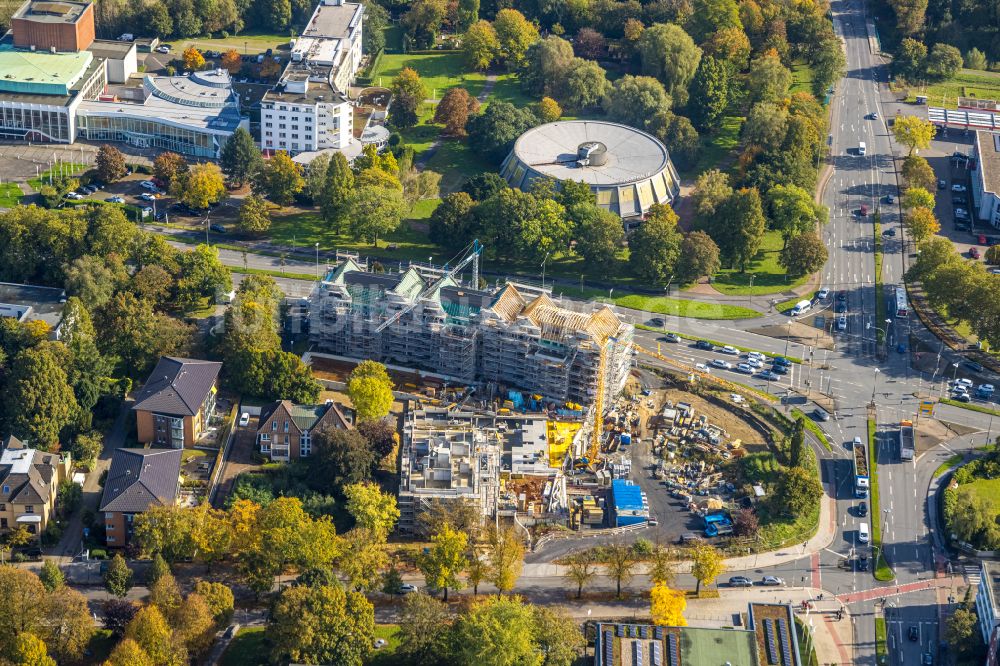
(901, 308)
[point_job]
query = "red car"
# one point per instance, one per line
(974, 252)
(864, 210)
(982, 240)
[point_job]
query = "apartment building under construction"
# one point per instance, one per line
(508, 336)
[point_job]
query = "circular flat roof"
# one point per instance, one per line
(553, 150)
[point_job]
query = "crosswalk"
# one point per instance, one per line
(973, 573)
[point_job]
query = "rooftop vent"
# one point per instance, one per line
(591, 153)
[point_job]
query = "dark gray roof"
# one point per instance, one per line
(471, 297)
(177, 386)
(140, 478)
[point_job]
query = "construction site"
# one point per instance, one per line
(511, 336)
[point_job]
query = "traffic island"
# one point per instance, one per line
(882, 571)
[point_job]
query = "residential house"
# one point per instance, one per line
(284, 431)
(174, 406)
(137, 480)
(29, 485)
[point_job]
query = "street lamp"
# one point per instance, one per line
(317, 260)
(874, 384)
(888, 329)
(751, 289)
(543, 268)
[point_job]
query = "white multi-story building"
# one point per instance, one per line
(308, 110)
(986, 178)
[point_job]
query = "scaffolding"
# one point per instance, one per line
(507, 335)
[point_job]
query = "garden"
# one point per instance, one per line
(971, 503)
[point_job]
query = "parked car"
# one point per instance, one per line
(840, 307)
(961, 397)
(957, 188)
(927, 659)
(890, 199)
(771, 580)
(146, 196)
(782, 361)
(962, 381)
(114, 199)
(719, 363)
(729, 349)
(862, 509)
(820, 414)
(673, 337)
(244, 419)
(842, 295)
(842, 323)
(74, 196)
(958, 201)
(889, 232)
(942, 184)
(755, 363)
(407, 588)
(975, 367)
(780, 369)
(701, 367)
(740, 581)
(147, 185)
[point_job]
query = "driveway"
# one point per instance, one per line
(241, 458)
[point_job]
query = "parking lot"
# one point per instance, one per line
(954, 209)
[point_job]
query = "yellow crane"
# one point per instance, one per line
(597, 430)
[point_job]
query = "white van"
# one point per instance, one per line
(863, 533)
(862, 148)
(801, 307)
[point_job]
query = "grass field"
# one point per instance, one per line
(386, 656)
(677, 307)
(988, 489)
(881, 650)
(717, 147)
(953, 461)
(967, 83)
(61, 169)
(248, 648)
(10, 195)
(802, 77)
(439, 71)
(246, 44)
(769, 276)
(306, 229)
(456, 163)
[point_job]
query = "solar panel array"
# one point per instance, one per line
(772, 649)
(657, 654)
(673, 650)
(609, 647)
(637, 653)
(786, 642)
(644, 632)
(658, 633)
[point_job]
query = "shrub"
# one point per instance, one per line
(98, 554)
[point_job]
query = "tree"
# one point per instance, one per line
(29, 650)
(497, 631)
(450, 225)
(110, 163)
(118, 613)
(766, 126)
(768, 80)
(240, 158)
(231, 61)
(219, 599)
(797, 492)
(913, 132)
(22, 604)
(584, 86)
(423, 21)
(254, 215)
(454, 109)
(282, 178)
(408, 93)
(666, 606)
(590, 44)
(195, 626)
(375, 211)
(128, 653)
(975, 59)
(581, 568)
(739, 227)
(203, 275)
(520, 225)
(679, 135)
(669, 54)
(921, 224)
(910, 58)
(558, 638)
(90, 279)
(493, 132)
(792, 211)
(157, 569)
(51, 576)
(992, 255)
(476, 569)
(514, 34)
(166, 596)
(339, 182)
(424, 630)
(372, 509)
(167, 166)
(699, 256)
(151, 632)
(598, 233)
(803, 254)
(706, 564)
(370, 390)
(661, 567)
(709, 92)
(633, 99)
(68, 624)
(829, 64)
(548, 110)
(917, 197)
(468, 14)
(546, 64)
(711, 189)
(655, 245)
(194, 61)
(917, 172)
(202, 185)
(960, 626)
(39, 399)
(480, 45)
(445, 560)
(505, 555)
(619, 563)
(118, 577)
(343, 457)
(943, 62)
(710, 16)
(322, 625)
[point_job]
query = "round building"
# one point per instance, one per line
(627, 169)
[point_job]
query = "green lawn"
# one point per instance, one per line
(248, 648)
(813, 427)
(251, 42)
(967, 83)
(60, 169)
(456, 163)
(10, 195)
(988, 489)
(953, 461)
(717, 147)
(305, 229)
(439, 71)
(386, 656)
(664, 305)
(802, 77)
(881, 651)
(781, 534)
(970, 406)
(768, 276)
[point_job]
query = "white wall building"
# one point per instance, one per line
(308, 111)
(986, 178)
